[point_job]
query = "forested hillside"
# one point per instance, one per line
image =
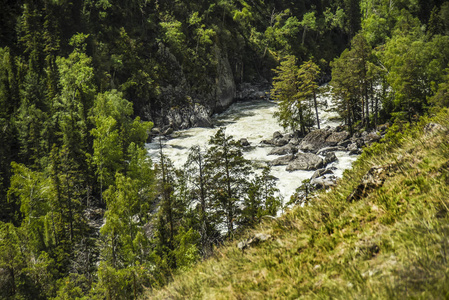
(86, 213)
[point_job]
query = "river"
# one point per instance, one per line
(254, 121)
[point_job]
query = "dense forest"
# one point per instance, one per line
(82, 84)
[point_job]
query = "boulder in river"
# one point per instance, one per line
(283, 160)
(295, 141)
(344, 143)
(277, 135)
(155, 131)
(277, 140)
(336, 137)
(321, 172)
(287, 149)
(168, 131)
(330, 158)
(355, 152)
(315, 140)
(244, 142)
(280, 142)
(305, 161)
(352, 147)
(326, 150)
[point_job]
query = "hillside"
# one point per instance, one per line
(383, 236)
(86, 86)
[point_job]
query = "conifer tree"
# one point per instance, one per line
(261, 199)
(199, 181)
(309, 73)
(229, 181)
(294, 87)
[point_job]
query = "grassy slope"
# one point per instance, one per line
(393, 243)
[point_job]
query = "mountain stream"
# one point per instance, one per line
(254, 121)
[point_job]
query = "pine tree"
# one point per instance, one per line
(353, 77)
(261, 199)
(292, 88)
(309, 74)
(229, 171)
(199, 181)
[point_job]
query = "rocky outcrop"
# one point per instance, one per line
(225, 89)
(251, 91)
(373, 179)
(321, 172)
(305, 161)
(432, 128)
(322, 138)
(254, 240)
(277, 140)
(336, 137)
(326, 150)
(181, 105)
(191, 116)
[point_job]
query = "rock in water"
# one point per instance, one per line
(315, 140)
(305, 161)
(277, 135)
(322, 138)
(321, 172)
(336, 137)
(287, 149)
(330, 158)
(283, 160)
(244, 142)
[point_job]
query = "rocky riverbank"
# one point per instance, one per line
(316, 151)
(200, 115)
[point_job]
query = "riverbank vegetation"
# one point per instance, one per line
(381, 233)
(85, 213)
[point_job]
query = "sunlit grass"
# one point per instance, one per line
(393, 243)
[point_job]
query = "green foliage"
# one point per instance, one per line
(186, 251)
(294, 87)
(262, 199)
(441, 97)
(354, 74)
(77, 78)
(392, 243)
(229, 181)
(406, 58)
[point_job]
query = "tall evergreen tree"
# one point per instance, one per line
(293, 88)
(229, 170)
(199, 182)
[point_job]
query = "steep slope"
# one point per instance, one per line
(383, 232)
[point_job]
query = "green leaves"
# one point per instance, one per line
(115, 131)
(293, 88)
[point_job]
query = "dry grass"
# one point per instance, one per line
(393, 243)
